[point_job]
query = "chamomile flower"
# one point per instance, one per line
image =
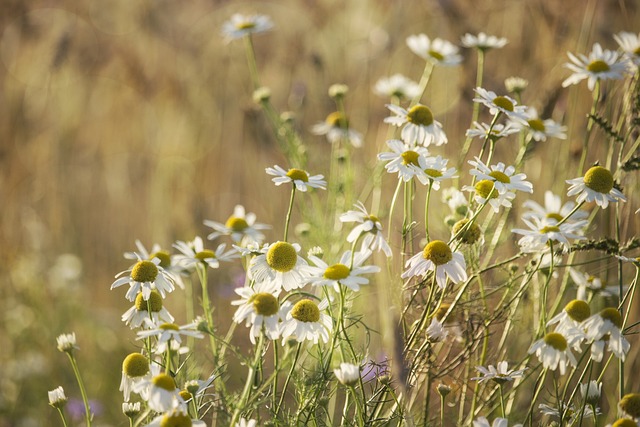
(137, 315)
(553, 351)
(348, 374)
(340, 273)
(241, 225)
(483, 41)
(500, 104)
(596, 186)
(306, 321)
(408, 161)
(540, 129)
(336, 128)
(484, 192)
(57, 398)
(484, 130)
(585, 281)
(418, 125)
(194, 253)
(569, 412)
(144, 276)
(502, 176)
(630, 45)
(456, 200)
(131, 409)
(553, 210)
(166, 332)
(515, 85)
(240, 25)
(541, 233)
(624, 422)
(498, 422)
(177, 418)
(438, 257)
(135, 368)
(66, 343)
(605, 328)
(397, 86)
(166, 261)
(500, 374)
(630, 405)
(436, 331)
(370, 226)
(591, 392)
(601, 64)
(160, 392)
(568, 322)
(280, 263)
(436, 51)
(436, 171)
(259, 307)
(300, 178)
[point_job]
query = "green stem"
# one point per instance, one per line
(502, 401)
(426, 76)
(587, 135)
(476, 106)
(426, 211)
(201, 269)
(64, 419)
(249, 384)
(288, 220)
(83, 392)
(286, 382)
(251, 59)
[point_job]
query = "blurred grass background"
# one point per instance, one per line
(124, 120)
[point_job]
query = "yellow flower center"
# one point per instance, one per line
(135, 365)
(624, 422)
(205, 254)
(154, 302)
(503, 102)
(337, 119)
(164, 381)
(613, 315)
(245, 25)
(436, 55)
(306, 311)
(282, 257)
(636, 51)
(500, 177)
(433, 173)
(373, 218)
(537, 125)
(164, 257)
(484, 188)
(144, 271)
(599, 179)
(442, 310)
(438, 252)
(578, 310)
(556, 341)
(630, 404)
(169, 327)
(176, 419)
(336, 272)
(264, 303)
(471, 235)
(598, 66)
(549, 229)
(185, 395)
(410, 158)
(420, 115)
(298, 174)
(555, 216)
(236, 224)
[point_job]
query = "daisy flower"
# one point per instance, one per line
(630, 405)
(436, 170)
(175, 417)
(586, 281)
(515, 85)
(498, 422)
(500, 104)
(605, 328)
(471, 235)
(57, 398)
(164, 256)
(369, 225)
(301, 179)
(131, 409)
(595, 186)
(160, 392)
(541, 233)
(456, 200)
(553, 210)
(260, 309)
(166, 332)
(436, 51)
(484, 192)
(570, 413)
(194, 253)
(599, 65)
(407, 160)
(437, 256)
(135, 368)
(397, 86)
(591, 392)
(540, 129)
(340, 273)
(279, 263)
(502, 176)
(500, 374)
(553, 352)
(239, 226)
(630, 45)
(305, 320)
(484, 130)
(137, 315)
(348, 374)
(144, 276)
(436, 331)
(419, 126)
(568, 322)
(624, 422)
(66, 343)
(336, 128)
(239, 26)
(483, 41)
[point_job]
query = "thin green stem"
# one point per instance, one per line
(249, 384)
(587, 135)
(476, 107)
(288, 220)
(426, 211)
(286, 382)
(251, 59)
(424, 80)
(83, 393)
(64, 419)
